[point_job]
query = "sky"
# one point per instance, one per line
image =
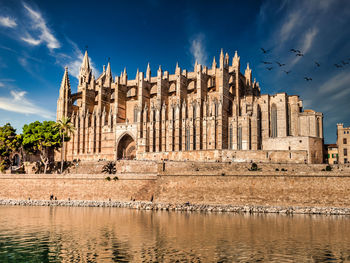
(39, 38)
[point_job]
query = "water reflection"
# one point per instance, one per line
(60, 234)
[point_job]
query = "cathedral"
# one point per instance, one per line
(210, 114)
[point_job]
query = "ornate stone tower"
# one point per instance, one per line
(64, 102)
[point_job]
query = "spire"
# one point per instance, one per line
(214, 64)
(86, 62)
(227, 59)
(109, 78)
(85, 70)
(195, 65)
(137, 74)
(65, 84)
(222, 58)
(236, 60)
(108, 71)
(248, 75)
(159, 72)
(177, 69)
(148, 72)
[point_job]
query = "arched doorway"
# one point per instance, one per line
(16, 160)
(126, 148)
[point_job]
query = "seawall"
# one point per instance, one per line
(239, 191)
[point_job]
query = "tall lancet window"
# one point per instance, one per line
(194, 126)
(289, 121)
(273, 120)
(317, 127)
(135, 114)
(239, 138)
(230, 143)
(187, 138)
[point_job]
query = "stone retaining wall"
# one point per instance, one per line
(237, 189)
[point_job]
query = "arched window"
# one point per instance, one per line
(289, 120)
(239, 139)
(273, 120)
(135, 114)
(187, 138)
(317, 127)
(194, 112)
(194, 136)
(230, 143)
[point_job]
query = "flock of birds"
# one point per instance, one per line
(298, 53)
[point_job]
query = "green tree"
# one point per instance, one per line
(65, 127)
(42, 137)
(9, 142)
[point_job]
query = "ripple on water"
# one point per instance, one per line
(63, 234)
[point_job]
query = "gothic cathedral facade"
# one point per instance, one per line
(210, 114)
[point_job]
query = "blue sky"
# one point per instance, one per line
(39, 38)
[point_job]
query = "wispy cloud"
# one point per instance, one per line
(197, 49)
(7, 22)
(40, 30)
(18, 102)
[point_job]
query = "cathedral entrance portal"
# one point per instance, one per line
(126, 148)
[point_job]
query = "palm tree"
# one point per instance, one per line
(66, 127)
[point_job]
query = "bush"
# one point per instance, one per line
(115, 178)
(284, 170)
(328, 168)
(108, 178)
(277, 170)
(109, 168)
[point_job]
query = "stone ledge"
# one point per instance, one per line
(183, 207)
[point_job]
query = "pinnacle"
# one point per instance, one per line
(108, 71)
(86, 62)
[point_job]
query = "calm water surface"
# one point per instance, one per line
(73, 234)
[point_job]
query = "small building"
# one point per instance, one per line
(343, 142)
(331, 153)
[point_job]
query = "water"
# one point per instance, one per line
(73, 234)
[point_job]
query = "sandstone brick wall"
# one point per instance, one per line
(76, 187)
(236, 187)
(256, 190)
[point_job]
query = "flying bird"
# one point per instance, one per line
(338, 66)
(266, 62)
(299, 54)
(344, 63)
(269, 68)
(287, 72)
(264, 50)
(307, 78)
(280, 64)
(317, 64)
(293, 50)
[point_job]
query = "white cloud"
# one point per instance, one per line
(17, 102)
(334, 84)
(30, 40)
(198, 51)
(40, 28)
(7, 22)
(2, 85)
(289, 25)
